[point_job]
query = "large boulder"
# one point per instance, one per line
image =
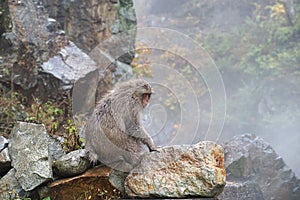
(179, 172)
(250, 158)
(30, 154)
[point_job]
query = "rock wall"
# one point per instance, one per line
(89, 22)
(33, 32)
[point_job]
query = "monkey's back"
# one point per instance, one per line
(106, 138)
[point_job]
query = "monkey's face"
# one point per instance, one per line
(145, 99)
(143, 93)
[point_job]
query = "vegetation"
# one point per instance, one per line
(56, 116)
(262, 54)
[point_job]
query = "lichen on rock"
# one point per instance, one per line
(178, 172)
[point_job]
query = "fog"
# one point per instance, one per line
(206, 85)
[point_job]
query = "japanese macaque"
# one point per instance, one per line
(114, 134)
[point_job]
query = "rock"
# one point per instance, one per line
(10, 187)
(93, 184)
(29, 43)
(3, 142)
(70, 64)
(245, 190)
(90, 22)
(117, 179)
(179, 172)
(250, 158)
(71, 164)
(30, 155)
(5, 162)
(75, 69)
(114, 57)
(55, 148)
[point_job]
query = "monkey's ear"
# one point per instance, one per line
(134, 96)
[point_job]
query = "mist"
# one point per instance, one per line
(249, 50)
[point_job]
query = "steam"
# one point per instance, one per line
(278, 101)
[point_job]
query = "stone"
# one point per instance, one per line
(5, 162)
(3, 142)
(89, 22)
(69, 65)
(250, 158)
(71, 164)
(30, 154)
(179, 172)
(55, 148)
(75, 69)
(93, 184)
(117, 179)
(10, 187)
(30, 44)
(244, 190)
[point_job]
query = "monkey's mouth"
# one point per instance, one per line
(146, 98)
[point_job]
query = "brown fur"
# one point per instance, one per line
(114, 134)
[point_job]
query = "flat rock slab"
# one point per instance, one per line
(179, 172)
(30, 154)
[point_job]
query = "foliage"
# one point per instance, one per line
(264, 49)
(54, 115)
(140, 63)
(47, 113)
(72, 139)
(11, 109)
(265, 45)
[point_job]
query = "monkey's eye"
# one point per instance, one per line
(146, 87)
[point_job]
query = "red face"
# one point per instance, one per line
(146, 98)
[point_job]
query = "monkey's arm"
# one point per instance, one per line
(141, 134)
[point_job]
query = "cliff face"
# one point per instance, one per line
(32, 32)
(88, 23)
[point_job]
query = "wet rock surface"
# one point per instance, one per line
(250, 158)
(179, 172)
(30, 155)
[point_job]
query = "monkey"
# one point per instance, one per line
(114, 133)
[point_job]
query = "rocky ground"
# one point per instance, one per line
(34, 164)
